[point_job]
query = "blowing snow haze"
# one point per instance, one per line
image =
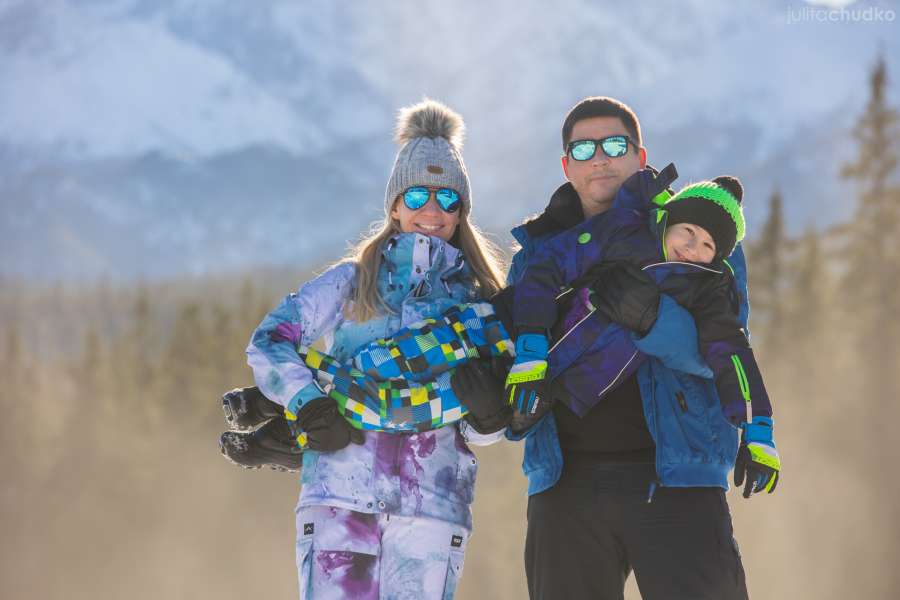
(151, 139)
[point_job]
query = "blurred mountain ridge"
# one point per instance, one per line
(149, 139)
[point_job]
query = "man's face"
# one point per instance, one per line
(599, 178)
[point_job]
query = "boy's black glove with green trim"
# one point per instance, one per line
(757, 460)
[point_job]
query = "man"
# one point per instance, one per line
(637, 483)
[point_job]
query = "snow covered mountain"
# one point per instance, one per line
(159, 137)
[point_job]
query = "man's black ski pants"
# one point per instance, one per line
(589, 531)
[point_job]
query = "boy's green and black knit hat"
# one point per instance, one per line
(713, 205)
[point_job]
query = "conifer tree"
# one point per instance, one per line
(870, 287)
(187, 368)
(142, 339)
(767, 279)
(13, 371)
(807, 322)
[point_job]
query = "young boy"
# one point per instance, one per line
(679, 241)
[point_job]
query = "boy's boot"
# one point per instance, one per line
(246, 408)
(272, 445)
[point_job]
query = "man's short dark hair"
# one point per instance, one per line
(601, 106)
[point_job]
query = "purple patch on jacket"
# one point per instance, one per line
(287, 332)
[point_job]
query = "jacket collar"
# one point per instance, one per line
(411, 259)
(563, 212)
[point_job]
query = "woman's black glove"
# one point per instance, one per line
(320, 427)
(627, 295)
(478, 384)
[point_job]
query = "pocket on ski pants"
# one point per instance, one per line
(304, 564)
(421, 558)
(454, 572)
(337, 553)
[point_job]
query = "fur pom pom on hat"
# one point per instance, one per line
(714, 205)
(430, 136)
(430, 119)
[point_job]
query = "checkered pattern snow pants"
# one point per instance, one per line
(402, 383)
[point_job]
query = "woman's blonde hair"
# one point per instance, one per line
(482, 255)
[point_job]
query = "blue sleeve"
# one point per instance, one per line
(673, 339)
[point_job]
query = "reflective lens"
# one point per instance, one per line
(583, 150)
(417, 197)
(613, 146)
(448, 199)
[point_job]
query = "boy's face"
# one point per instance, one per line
(599, 178)
(686, 242)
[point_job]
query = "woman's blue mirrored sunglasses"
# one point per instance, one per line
(613, 146)
(416, 197)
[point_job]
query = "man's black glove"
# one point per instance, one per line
(320, 427)
(478, 384)
(627, 295)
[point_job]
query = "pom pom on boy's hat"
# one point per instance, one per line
(430, 136)
(713, 205)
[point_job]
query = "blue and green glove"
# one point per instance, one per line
(757, 458)
(526, 385)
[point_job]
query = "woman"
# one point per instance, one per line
(389, 514)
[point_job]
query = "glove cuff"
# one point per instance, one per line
(306, 394)
(759, 430)
(531, 346)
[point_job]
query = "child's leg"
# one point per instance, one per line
(402, 383)
(392, 405)
(426, 349)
